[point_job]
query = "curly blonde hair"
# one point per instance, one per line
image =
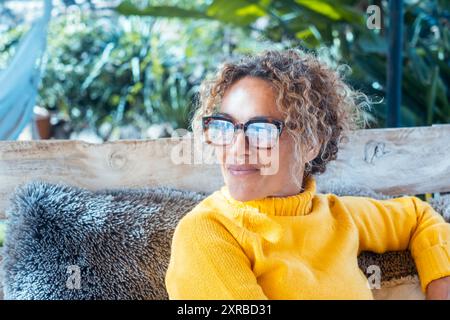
(319, 108)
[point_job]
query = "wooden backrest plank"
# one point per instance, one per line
(393, 161)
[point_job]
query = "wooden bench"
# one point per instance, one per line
(402, 161)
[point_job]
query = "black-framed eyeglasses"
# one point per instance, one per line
(260, 132)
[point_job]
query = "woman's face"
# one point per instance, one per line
(252, 173)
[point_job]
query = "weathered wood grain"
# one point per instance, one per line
(401, 161)
(394, 161)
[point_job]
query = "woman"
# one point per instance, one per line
(275, 120)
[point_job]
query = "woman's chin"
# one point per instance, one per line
(239, 196)
(241, 193)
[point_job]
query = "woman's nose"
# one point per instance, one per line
(239, 145)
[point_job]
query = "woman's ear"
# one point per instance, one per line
(313, 152)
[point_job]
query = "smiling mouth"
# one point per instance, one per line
(242, 170)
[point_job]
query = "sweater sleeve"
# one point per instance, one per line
(208, 263)
(400, 224)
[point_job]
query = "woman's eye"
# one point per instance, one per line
(220, 125)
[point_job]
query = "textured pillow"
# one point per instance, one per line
(67, 242)
(116, 242)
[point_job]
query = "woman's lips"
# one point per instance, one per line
(242, 170)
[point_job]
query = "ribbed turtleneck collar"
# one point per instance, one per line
(295, 205)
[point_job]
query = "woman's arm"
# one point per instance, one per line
(208, 263)
(439, 289)
(400, 224)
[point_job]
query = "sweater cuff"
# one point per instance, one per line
(433, 263)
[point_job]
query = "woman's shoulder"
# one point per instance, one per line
(367, 202)
(208, 211)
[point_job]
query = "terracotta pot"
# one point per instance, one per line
(42, 121)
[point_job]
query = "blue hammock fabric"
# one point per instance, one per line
(19, 81)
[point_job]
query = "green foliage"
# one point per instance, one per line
(104, 73)
(340, 26)
(2, 232)
(107, 71)
(229, 11)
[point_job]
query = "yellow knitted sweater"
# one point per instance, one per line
(303, 246)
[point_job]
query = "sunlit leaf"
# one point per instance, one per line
(235, 11)
(128, 8)
(321, 7)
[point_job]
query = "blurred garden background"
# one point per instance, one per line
(132, 69)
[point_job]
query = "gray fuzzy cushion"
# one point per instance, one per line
(117, 241)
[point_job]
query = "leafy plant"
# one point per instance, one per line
(108, 73)
(2, 232)
(340, 26)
